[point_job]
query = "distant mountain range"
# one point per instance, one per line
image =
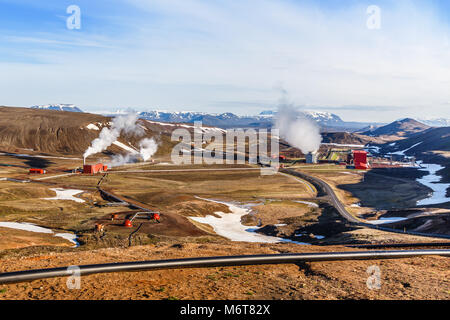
(437, 122)
(58, 107)
(326, 120)
(230, 120)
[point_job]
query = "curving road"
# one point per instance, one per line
(325, 189)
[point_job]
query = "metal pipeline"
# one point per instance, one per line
(206, 262)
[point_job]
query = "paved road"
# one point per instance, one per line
(327, 190)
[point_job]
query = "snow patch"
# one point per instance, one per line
(125, 147)
(309, 204)
(402, 153)
(344, 145)
(229, 225)
(92, 126)
(66, 194)
(386, 220)
(432, 181)
(34, 228)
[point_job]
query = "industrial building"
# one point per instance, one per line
(37, 171)
(312, 157)
(94, 168)
(360, 159)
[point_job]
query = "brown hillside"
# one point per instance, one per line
(47, 131)
(65, 133)
(401, 128)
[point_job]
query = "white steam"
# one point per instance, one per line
(126, 124)
(147, 148)
(120, 159)
(299, 131)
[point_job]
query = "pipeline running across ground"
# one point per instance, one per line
(207, 262)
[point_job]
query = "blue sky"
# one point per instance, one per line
(229, 56)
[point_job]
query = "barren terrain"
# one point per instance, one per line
(418, 278)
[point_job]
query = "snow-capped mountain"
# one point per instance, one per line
(323, 118)
(223, 120)
(59, 107)
(229, 120)
(436, 122)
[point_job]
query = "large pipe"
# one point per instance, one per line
(206, 262)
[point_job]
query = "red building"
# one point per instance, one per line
(37, 171)
(94, 168)
(360, 159)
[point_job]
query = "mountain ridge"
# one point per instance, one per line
(58, 107)
(401, 128)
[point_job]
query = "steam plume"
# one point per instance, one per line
(126, 124)
(299, 131)
(120, 159)
(148, 147)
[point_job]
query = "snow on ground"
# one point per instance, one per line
(68, 236)
(386, 220)
(229, 225)
(402, 153)
(432, 181)
(92, 126)
(344, 145)
(33, 228)
(375, 149)
(25, 227)
(125, 147)
(309, 204)
(66, 194)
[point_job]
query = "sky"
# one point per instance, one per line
(230, 56)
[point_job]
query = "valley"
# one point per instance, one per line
(68, 215)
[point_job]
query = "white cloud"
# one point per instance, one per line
(195, 54)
